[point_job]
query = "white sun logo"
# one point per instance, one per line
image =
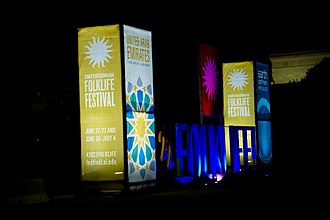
(238, 79)
(98, 52)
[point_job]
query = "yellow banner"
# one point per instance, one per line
(101, 108)
(238, 89)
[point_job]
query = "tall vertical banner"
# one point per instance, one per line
(101, 107)
(211, 97)
(140, 119)
(263, 112)
(238, 97)
(262, 91)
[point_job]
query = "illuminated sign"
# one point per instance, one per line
(211, 89)
(200, 150)
(265, 141)
(141, 141)
(101, 108)
(262, 91)
(238, 98)
(263, 112)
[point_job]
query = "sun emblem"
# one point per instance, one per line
(211, 80)
(238, 79)
(98, 52)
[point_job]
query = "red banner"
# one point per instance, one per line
(209, 81)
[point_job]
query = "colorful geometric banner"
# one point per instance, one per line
(101, 107)
(141, 146)
(238, 98)
(138, 70)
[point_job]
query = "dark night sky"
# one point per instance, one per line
(46, 35)
(41, 41)
(40, 54)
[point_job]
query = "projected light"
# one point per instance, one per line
(211, 78)
(211, 103)
(184, 179)
(217, 177)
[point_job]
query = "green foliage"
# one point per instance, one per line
(318, 75)
(299, 116)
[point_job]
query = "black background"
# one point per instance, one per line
(40, 64)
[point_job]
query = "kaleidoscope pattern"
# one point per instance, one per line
(139, 97)
(141, 146)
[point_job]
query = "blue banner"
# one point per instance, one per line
(262, 91)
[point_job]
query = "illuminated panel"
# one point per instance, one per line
(210, 83)
(234, 149)
(265, 141)
(250, 137)
(166, 153)
(139, 93)
(138, 70)
(101, 107)
(180, 150)
(141, 146)
(205, 150)
(262, 91)
(218, 163)
(263, 112)
(242, 146)
(238, 88)
(194, 154)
